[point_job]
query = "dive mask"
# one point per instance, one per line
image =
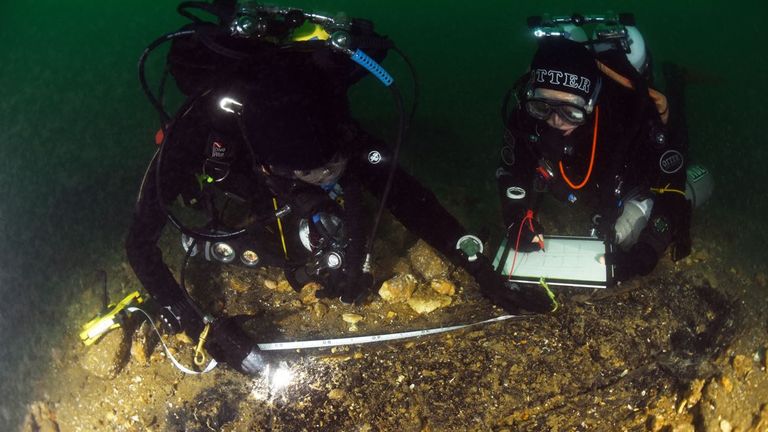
(542, 109)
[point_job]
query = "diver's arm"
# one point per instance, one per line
(415, 206)
(662, 167)
(420, 212)
(350, 281)
(141, 244)
(227, 341)
(354, 221)
(147, 225)
(670, 217)
(515, 177)
(516, 171)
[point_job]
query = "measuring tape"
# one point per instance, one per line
(359, 340)
(324, 343)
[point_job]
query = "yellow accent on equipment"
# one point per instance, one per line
(110, 320)
(199, 350)
(550, 294)
(310, 31)
(280, 228)
(666, 189)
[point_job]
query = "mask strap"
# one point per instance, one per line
(593, 97)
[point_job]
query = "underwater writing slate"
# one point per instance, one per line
(570, 261)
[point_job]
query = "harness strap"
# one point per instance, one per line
(658, 98)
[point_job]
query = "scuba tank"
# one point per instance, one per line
(609, 32)
(699, 185)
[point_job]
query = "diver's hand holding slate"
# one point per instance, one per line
(529, 237)
(513, 298)
(640, 260)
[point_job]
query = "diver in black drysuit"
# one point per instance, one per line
(285, 133)
(638, 164)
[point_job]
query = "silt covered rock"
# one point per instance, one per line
(143, 343)
(398, 289)
(427, 263)
(425, 300)
(40, 418)
(107, 357)
(443, 287)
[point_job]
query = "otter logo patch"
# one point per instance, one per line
(671, 161)
(374, 157)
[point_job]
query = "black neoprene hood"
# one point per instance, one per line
(564, 65)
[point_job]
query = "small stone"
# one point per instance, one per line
(692, 396)
(765, 359)
(741, 365)
(425, 301)
(307, 294)
(426, 262)
(761, 279)
(336, 394)
(143, 343)
(391, 314)
(319, 310)
(655, 423)
(712, 278)
(184, 338)
(762, 421)
(40, 418)
(726, 383)
(351, 318)
(270, 284)
(398, 289)
(284, 286)
(238, 285)
(685, 427)
(725, 425)
(443, 287)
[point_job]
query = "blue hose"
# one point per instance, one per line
(374, 68)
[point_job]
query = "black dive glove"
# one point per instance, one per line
(349, 287)
(640, 260)
(512, 297)
(354, 289)
(228, 343)
(522, 239)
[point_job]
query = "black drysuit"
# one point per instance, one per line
(634, 156)
(197, 141)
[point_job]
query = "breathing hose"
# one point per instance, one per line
(158, 159)
(415, 78)
(197, 29)
(164, 117)
(398, 99)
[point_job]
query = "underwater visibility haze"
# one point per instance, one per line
(77, 133)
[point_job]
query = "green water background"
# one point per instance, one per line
(76, 131)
